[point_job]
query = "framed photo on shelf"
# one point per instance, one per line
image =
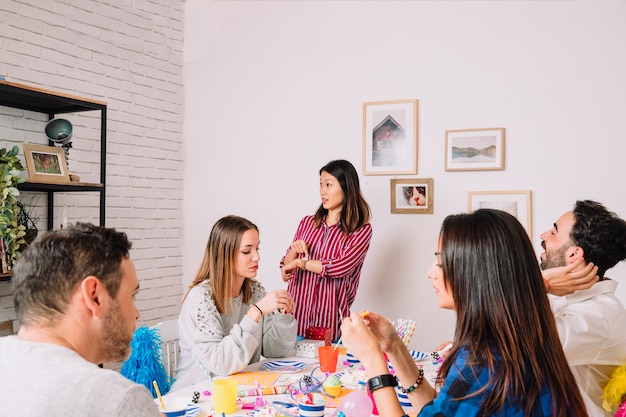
(517, 203)
(412, 196)
(390, 137)
(475, 149)
(45, 164)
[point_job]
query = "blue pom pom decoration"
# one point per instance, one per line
(145, 363)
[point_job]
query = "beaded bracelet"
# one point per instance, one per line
(415, 385)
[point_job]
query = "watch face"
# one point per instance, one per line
(381, 381)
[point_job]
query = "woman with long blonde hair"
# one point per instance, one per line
(228, 320)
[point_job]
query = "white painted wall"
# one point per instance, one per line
(274, 90)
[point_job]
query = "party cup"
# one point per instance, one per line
(225, 395)
(173, 408)
(328, 358)
(312, 405)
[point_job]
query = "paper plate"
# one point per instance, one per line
(418, 356)
(284, 366)
(403, 398)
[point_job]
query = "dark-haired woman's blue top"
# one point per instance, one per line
(464, 379)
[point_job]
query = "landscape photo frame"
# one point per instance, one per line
(45, 164)
(517, 202)
(390, 137)
(412, 196)
(475, 149)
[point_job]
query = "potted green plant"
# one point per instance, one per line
(28, 217)
(11, 232)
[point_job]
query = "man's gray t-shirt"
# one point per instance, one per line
(45, 379)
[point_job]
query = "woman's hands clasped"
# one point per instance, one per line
(279, 300)
(297, 247)
(300, 246)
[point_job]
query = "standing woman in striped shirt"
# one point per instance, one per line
(323, 264)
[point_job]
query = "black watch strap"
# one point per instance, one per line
(381, 381)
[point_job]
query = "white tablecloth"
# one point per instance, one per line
(205, 403)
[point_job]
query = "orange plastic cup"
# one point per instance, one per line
(328, 356)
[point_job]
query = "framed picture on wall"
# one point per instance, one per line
(475, 149)
(390, 137)
(517, 203)
(412, 196)
(45, 164)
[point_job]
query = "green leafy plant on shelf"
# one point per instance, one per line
(11, 232)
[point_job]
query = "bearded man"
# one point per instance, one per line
(74, 293)
(591, 322)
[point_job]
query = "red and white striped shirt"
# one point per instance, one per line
(324, 299)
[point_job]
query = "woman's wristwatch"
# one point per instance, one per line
(304, 261)
(381, 381)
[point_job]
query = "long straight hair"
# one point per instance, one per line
(355, 212)
(504, 319)
(219, 263)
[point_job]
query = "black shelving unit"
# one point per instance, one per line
(53, 103)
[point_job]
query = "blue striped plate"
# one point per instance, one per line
(418, 356)
(284, 366)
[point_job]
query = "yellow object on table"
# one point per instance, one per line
(225, 395)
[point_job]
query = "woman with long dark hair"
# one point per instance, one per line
(507, 358)
(323, 263)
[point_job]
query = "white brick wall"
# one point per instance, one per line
(127, 53)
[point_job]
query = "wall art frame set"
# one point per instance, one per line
(390, 147)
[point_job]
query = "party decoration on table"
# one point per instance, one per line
(260, 391)
(355, 404)
(351, 359)
(307, 348)
(311, 405)
(318, 333)
(283, 408)
(438, 355)
(405, 328)
(614, 396)
(269, 411)
(145, 362)
(195, 397)
(309, 384)
(353, 378)
(418, 356)
(193, 410)
(250, 378)
(332, 385)
(284, 366)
